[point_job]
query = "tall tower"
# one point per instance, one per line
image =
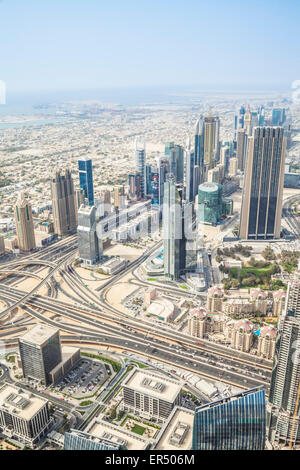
(199, 146)
(85, 168)
(89, 247)
(263, 186)
(248, 122)
(24, 224)
(140, 163)
(211, 142)
(63, 203)
(284, 410)
(189, 172)
(241, 148)
(237, 422)
(173, 229)
(134, 181)
(175, 155)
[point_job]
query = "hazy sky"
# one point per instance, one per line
(79, 44)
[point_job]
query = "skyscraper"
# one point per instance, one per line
(211, 142)
(189, 173)
(134, 181)
(119, 196)
(241, 148)
(284, 409)
(248, 125)
(263, 186)
(63, 203)
(173, 229)
(199, 146)
(24, 224)
(175, 155)
(79, 200)
(237, 422)
(89, 246)
(85, 168)
(140, 163)
(210, 203)
(40, 352)
(278, 116)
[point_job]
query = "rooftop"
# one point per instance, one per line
(177, 432)
(111, 432)
(39, 334)
(153, 384)
(20, 402)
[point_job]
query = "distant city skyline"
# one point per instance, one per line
(64, 45)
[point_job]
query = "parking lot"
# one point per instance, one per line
(83, 378)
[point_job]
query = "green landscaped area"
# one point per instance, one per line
(252, 276)
(138, 429)
(151, 279)
(183, 287)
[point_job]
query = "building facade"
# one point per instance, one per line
(263, 186)
(85, 168)
(24, 224)
(89, 246)
(234, 423)
(63, 203)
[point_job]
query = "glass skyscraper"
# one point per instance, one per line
(140, 164)
(189, 174)
(173, 229)
(263, 186)
(85, 168)
(210, 203)
(284, 409)
(234, 423)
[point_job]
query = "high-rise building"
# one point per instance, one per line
(237, 422)
(278, 117)
(248, 125)
(40, 352)
(239, 121)
(175, 155)
(134, 181)
(89, 246)
(211, 142)
(210, 203)
(119, 196)
(148, 180)
(85, 168)
(24, 224)
(163, 167)
(284, 407)
(199, 146)
(155, 199)
(63, 203)
(140, 163)
(241, 148)
(189, 172)
(263, 186)
(79, 200)
(173, 229)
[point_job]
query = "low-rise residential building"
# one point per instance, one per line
(266, 342)
(240, 333)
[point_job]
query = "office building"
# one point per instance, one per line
(189, 172)
(24, 224)
(263, 185)
(211, 142)
(210, 203)
(40, 352)
(239, 121)
(79, 440)
(148, 180)
(237, 422)
(175, 155)
(85, 168)
(150, 395)
(134, 181)
(140, 163)
(155, 186)
(120, 197)
(284, 409)
(173, 229)
(233, 166)
(248, 124)
(241, 148)
(278, 116)
(63, 203)
(199, 147)
(24, 416)
(79, 200)
(89, 246)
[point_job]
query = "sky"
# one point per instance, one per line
(89, 44)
